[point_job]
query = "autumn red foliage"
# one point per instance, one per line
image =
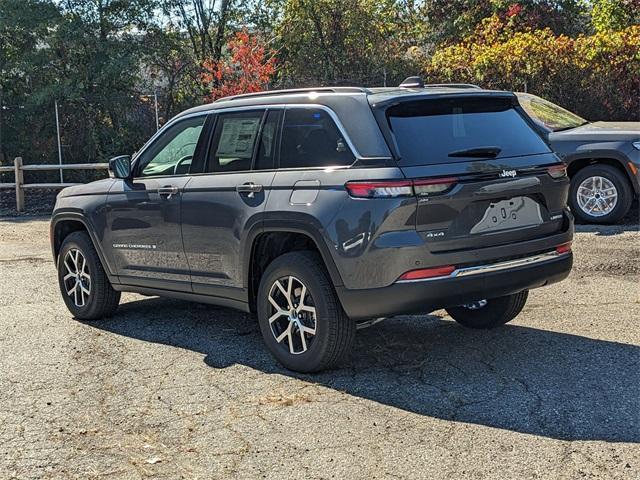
(248, 66)
(514, 10)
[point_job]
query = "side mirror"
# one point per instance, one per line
(120, 167)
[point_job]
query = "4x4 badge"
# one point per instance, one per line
(508, 173)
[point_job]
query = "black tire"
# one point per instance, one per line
(102, 300)
(617, 178)
(334, 331)
(496, 312)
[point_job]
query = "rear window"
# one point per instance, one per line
(310, 138)
(441, 131)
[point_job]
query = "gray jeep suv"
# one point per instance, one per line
(322, 209)
(603, 159)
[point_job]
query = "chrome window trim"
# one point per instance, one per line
(284, 106)
(494, 267)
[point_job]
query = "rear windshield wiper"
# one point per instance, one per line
(479, 152)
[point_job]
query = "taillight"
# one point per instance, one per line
(564, 248)
(423, 273)
(557, 171)
(400, 188)
(433, 185)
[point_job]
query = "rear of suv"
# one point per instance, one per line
(323, 209)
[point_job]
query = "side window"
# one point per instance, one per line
(172, 152)
(310, 138)
(265, 159)
(234, 141)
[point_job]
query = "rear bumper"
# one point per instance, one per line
(463, 286)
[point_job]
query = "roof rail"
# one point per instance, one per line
(453, 85)
(268, 93)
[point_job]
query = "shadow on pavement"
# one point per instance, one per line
(516, 378)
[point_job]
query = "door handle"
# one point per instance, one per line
(168, 190)
(250, 188)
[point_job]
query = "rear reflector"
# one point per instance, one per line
(399, 188)
(564, 248)
(557, 171)
(428, 273)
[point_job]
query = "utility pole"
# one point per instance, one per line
(59, 144)
(155, 98)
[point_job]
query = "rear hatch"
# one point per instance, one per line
(482, 175)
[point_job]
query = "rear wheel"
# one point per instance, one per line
(300, 316)
(600, 194)
(490, 313)
(84, 285)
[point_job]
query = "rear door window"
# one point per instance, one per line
(441, 131)
(234, 141)
(310, 138)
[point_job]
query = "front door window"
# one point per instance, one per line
(173, 151)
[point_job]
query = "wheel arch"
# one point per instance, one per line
(274, 239)
(63, 224)
(577, 163)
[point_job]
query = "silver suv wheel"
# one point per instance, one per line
(77, 280)
(597, 196)
(293, 315)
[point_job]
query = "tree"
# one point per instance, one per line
(205, 23)
(25, 74)
(340, 42)
(249, 68)
(615, 14)
(97, 50)
(597, 76)
(450, 21)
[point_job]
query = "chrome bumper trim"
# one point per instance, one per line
(494, 267)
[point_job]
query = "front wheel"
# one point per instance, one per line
(491, 313)
(600, 194)
(84, 285)
(300, 316)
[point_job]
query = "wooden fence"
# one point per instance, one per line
(20, 187)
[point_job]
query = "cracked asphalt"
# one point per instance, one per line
(168, 389)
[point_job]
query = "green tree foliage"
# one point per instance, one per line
(450, 21)
(103, 60)
(97, 48)
(615, 14)
(26, 73)
(597, 76)
(339, 41)
(86, 55)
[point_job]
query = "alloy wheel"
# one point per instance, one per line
(597, 196)
(77, 280)
(293, 314)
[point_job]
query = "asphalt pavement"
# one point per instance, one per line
(168, 389)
